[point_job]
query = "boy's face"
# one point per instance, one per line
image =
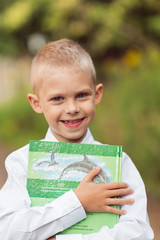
(67, 99)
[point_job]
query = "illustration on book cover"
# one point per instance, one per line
(70, 167)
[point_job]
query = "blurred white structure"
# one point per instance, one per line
(35, 42)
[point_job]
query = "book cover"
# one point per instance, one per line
(55, 167)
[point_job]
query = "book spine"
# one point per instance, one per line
(120, 163)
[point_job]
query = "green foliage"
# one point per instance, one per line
(154, 24)
(99, 25)
(130, 115)
(19, 123)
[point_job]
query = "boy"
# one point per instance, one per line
(65, 91)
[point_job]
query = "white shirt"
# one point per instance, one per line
(19, 221)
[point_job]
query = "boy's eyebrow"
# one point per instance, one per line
(84, 90)
(54, 93)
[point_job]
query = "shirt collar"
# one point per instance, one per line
(88, 138)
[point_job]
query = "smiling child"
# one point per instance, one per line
(65, 92)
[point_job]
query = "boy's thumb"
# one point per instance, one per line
(89, 177)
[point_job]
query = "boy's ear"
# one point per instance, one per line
(99, 93)
(34, 102)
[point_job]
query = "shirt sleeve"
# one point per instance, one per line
(20, 221)
(132, 226)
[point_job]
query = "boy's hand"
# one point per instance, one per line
(100, 197)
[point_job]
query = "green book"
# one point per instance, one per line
(55, 167)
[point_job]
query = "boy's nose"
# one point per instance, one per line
(71, 107)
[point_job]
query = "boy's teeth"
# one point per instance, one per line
(71, 121)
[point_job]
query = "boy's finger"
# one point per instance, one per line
(119, 201)
(115, 185)
(89, 177)
(115, 210)
(119, 192)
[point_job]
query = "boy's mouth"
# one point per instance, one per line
(73, 123)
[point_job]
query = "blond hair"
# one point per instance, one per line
(60, 55)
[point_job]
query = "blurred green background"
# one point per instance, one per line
(123, 38)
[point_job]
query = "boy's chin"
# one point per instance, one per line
(74, 138)
(77, 138)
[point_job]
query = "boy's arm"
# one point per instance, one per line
(134, 224)
(99, 197)
(20, 221)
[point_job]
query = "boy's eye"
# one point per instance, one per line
(81, 95)
(57, 99)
